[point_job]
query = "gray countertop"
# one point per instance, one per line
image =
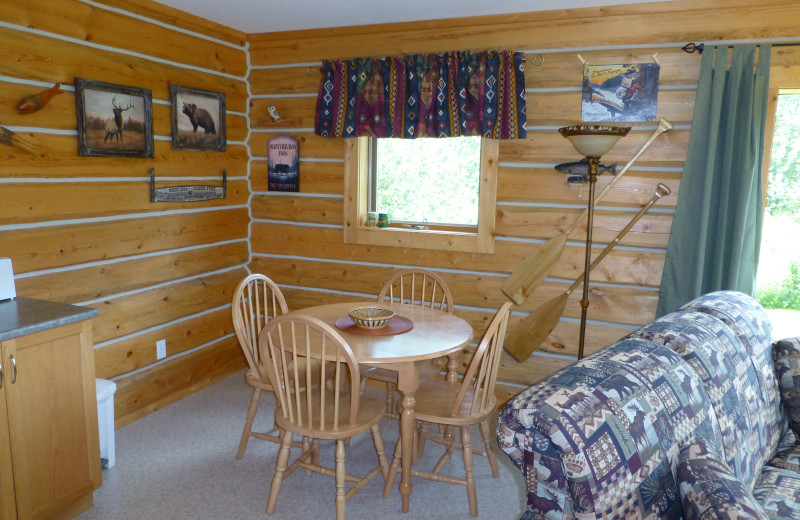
(21, 316)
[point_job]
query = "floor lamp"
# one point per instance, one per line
(591, 141)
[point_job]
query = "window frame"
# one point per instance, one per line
(478, 239)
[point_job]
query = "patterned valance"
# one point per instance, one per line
(424, 95)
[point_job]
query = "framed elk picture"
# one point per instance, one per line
(198, 119)
(113, 120)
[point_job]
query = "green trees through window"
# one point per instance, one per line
(778, 282)
(429, 180)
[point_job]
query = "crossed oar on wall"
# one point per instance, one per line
(535, 328)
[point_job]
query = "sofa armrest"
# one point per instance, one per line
(786, 354)
(710, 490)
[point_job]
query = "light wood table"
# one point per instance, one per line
(435, 334)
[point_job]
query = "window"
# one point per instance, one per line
(427, 181)
(778, 280)
(476, 236)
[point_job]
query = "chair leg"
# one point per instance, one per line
(484, 426)
(340, 481)
(248, 422)
(377, 439)
(472, 493)
(390, 404)
(387, 488)
(450, 442)
(280, 468)
(422, 436)
(314, 456)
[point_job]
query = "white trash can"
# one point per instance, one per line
(105, 420)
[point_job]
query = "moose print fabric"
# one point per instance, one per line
(601, 437)
(709, 489)
(615, 435)
(726, 369)
(424, 95)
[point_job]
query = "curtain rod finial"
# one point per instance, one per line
(691, 48)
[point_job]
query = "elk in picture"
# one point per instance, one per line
(113, 120)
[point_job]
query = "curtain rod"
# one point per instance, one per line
(698, 48)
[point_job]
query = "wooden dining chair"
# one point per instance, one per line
(411, 287)
(459, 405)
(329, 410)
(256, 300)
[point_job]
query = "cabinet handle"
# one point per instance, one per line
(1, 375)
(14, 366)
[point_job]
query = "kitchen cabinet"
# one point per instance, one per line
(49, 448)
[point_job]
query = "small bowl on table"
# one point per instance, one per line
(371, 317)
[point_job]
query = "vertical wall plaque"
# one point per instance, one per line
(283, 159)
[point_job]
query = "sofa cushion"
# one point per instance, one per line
(748, 321)
(777, 492)
(786, 354)
(710, 490)
(600, 438)
(724, 366)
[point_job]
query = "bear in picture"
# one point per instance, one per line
(194, 109)
(199, 117)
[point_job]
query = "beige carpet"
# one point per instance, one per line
(180, 463)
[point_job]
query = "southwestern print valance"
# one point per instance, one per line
(424, 95)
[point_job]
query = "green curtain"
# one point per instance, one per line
(716, 231)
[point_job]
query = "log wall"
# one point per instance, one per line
(297, 239)
(82, 230)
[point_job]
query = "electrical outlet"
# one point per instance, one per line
(161, 349)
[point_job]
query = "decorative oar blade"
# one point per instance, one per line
(529, 275)
(534, 329)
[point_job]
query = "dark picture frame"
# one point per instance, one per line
(113, 120)
(198, 119)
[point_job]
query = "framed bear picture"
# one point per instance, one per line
(198, 119)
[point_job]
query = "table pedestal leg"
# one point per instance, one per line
(452, 368)
(407, 383)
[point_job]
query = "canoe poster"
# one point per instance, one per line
(283, 172)
(620, 93)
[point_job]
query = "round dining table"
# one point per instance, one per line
(433, 334)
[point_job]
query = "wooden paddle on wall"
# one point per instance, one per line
(537, 326)
(535, 268)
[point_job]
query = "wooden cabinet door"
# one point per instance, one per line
(52, 415)
(8, 502)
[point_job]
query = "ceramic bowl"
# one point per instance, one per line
(371, 317)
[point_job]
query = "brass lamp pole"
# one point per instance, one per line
(592, 141)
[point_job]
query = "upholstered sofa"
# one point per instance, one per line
(695, 415)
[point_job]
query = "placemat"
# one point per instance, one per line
(396, 325)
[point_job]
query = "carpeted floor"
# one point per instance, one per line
(180, 463)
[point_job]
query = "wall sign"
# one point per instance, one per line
(283, 159)
(187, 193)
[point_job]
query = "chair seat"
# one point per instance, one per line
(434, 399)
(370, 411)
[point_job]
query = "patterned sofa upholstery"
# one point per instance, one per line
(683, 418)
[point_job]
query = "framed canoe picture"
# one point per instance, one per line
(283, 161)
(198, 119)
(620, 93)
